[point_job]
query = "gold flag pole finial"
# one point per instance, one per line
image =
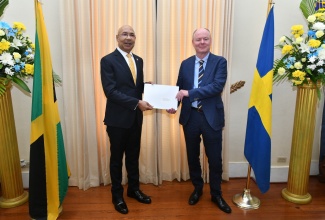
(245, 200)
(269, 6)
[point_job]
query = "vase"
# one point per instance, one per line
(302, 144)
(12, 190)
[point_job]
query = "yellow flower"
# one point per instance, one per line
(29, 69)
(19, 26)
(314, 43)
(297, 30)
(4, 45)
(298, 74)
(287, 49)
(302, 78)
(296, 82)
(320, 16)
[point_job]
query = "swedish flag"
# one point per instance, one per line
(48, 179)
(259, 121)
(319, 4)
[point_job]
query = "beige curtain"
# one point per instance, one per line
(163, 41)
(177, 19)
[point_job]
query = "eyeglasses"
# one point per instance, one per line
(125, 35)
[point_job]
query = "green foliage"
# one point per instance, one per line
(3, 4)
(307, 7)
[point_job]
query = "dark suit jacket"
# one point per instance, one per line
(121, 92)
(213, 82)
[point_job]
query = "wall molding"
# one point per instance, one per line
(278, 173)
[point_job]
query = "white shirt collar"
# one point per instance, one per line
(123, 52)
(205, 58)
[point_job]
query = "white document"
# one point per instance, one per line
(161, 96)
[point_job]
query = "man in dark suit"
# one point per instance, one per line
(201, 81)
(122, 81)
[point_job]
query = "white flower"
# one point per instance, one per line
(282, 39)
(312, 59)
(8, 71)
(321, 54)
(16, 43)
(312, 67)
(298, 65)
(2, 33)
(16, 55)
(6, 59)
(30, 56)
(320, 63)
(319, 34)
(304, 48)
(311, 18)
(281, 71)
(299, 40)
(319, 26)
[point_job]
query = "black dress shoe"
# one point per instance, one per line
(140, 196)
(221, 203)
(120, 205)
(194, 197)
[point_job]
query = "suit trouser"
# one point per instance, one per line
(124, 141)
(196, 126)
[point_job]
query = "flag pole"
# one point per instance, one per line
(245, 200)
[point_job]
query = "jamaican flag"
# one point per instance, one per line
(48, 177)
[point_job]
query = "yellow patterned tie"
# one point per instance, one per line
(132, 68)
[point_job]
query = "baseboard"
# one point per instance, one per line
(25, 176)
(278, 173)
(236, 170)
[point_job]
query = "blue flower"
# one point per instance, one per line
(12, 32)
(4, 25)
(17, 68)
(312, 34)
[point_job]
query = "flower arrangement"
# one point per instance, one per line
(16, 56)
(303, 54)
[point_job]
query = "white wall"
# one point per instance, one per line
(23, 11)
(249, 20)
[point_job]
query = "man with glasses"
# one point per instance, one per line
(201, 81)
(122, 81)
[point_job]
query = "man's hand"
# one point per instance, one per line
(181, 94)
(171, 111)
(143, 105)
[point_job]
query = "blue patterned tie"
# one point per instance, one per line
(201, 73)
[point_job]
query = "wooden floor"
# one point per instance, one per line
(169, 202)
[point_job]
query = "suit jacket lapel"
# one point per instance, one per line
(191, 69)
(124, 64)
(209, 67)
